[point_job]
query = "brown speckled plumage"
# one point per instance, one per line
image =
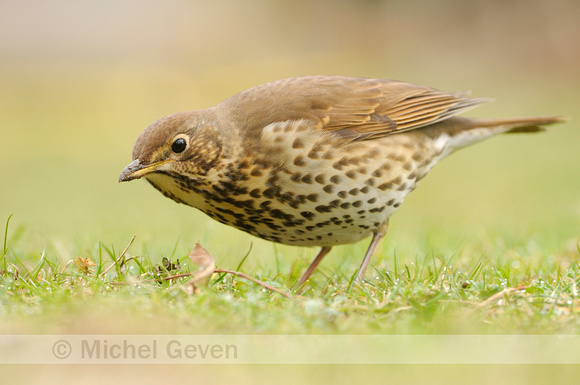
(310, 161)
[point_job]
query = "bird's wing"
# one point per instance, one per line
(353, 108)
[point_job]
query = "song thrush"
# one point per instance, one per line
(311, 161)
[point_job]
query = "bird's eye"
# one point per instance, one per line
(179, 145)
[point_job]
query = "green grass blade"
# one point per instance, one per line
(5, 248)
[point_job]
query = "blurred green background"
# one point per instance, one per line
(80, 80)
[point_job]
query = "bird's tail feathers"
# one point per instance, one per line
(459, 132)
(518, 125)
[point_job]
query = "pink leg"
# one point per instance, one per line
(321, 254)
(377, 237)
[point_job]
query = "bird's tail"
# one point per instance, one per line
(458, 132)
(518, 125)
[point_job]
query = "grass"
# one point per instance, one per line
(108, 291)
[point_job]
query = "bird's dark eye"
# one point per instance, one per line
(179, 145)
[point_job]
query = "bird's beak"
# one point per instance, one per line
(136, 170)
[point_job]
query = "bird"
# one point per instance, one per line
(312, 160)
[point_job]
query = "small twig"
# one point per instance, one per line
(256, 281)
(120, 257)
(241, 275)
(178, 276)
(66, 266)
(501, 294)
(127, 247)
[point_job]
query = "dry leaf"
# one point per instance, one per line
(202, 258)
(84, 265)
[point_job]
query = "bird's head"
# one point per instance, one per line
(182, 143)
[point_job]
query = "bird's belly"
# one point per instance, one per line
(339, 221)
(333, 198)
(333, 226)
(309, 216)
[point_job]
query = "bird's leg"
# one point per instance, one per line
(378, 235)
(321, 254)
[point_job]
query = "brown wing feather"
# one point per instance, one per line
(397, 107)
(355, 108)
